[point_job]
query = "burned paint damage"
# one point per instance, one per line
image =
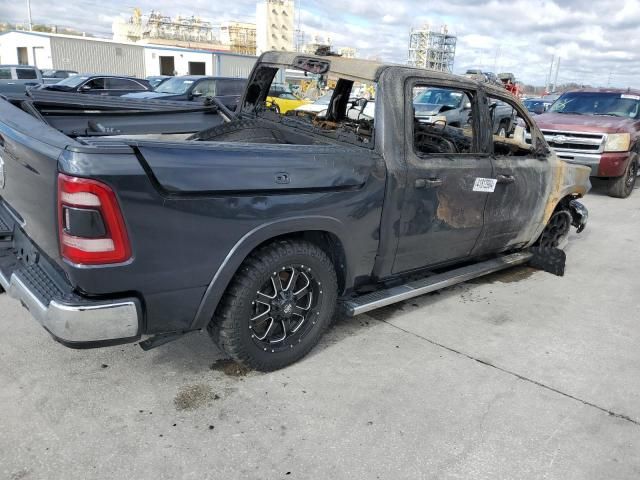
(568, 181)
(458, 205)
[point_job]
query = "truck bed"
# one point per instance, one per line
(77, 114)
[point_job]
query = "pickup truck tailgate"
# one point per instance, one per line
(29, 152)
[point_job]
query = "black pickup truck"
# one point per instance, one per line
(258, 227)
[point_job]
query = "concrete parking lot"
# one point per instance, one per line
(521, 375)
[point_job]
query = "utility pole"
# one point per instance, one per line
(555, 80)
(553, 59)
(299, 39)
(29, 14)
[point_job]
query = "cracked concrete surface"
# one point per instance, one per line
(518, 375)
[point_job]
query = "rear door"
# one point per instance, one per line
(442, 212)
(229, 90)
(516, 207)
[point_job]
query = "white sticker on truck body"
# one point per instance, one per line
(485, 185)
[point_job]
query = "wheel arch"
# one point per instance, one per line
(326, 232)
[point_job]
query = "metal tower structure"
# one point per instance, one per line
(431, 49)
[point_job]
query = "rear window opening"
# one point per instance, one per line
(322, 104)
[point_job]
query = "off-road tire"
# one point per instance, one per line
(621, 187)
(230, 326)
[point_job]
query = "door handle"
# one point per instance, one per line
(506, 178)
(428, 182)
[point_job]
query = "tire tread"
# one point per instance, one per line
(226, 325)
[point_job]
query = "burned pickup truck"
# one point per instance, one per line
(257, 228)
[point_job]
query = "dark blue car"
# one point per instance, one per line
(98, 84)
(197, 87)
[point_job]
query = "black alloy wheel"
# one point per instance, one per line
(283, 309)
(277, 306)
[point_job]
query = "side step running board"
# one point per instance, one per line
(382, 298)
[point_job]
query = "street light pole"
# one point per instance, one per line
(29, 13)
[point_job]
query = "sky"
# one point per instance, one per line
(596, 40)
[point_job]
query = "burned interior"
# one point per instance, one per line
(347, 117)
(443, 120)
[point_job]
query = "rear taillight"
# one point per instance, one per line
(92, 230)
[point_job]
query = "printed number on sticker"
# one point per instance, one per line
(485, 185)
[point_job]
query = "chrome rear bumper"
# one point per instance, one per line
(82, 324)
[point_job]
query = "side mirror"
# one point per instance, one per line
(196, 94)
(539, 109)
(85, 88)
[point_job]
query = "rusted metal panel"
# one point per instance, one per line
(95, 56)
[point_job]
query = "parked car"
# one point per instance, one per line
(480, 76)
(112, 85)
(319, 106)
(17, 78)
(475, 74)
(282, 99)
(157, 80)
(197, 88)
(536, 106)
(254, 229)
(54, 76)
(599, 128)
(453, 108)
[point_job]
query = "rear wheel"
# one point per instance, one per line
(278, 305)
(622, 187)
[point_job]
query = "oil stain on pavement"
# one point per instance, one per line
(192, 397)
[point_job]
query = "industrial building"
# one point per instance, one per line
(431, 49)
(240, 37)
(156, 28)
(275, 27)
(83, 54)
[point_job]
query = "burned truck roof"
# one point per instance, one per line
(370, 70)
(344, 67)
